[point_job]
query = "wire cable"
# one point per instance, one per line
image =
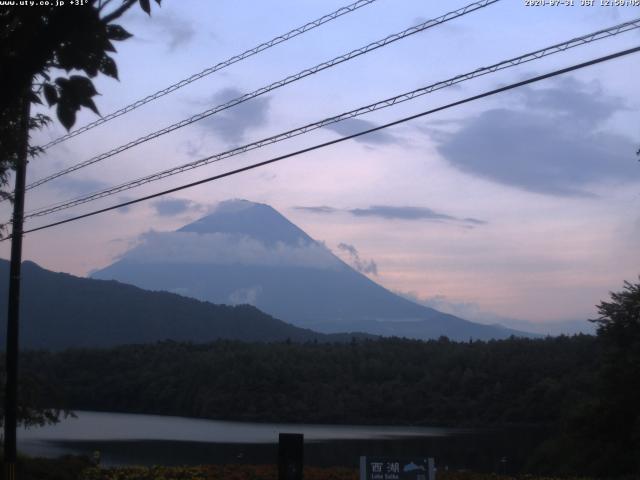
(531, 56)
(261, 91)
(343, 139)
(219, 66)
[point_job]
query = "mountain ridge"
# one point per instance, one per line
(59, 311)
(245, 252)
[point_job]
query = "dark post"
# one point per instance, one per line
(290, 456)
(13, 314)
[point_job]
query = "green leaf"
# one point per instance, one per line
(62, 82)
(33, 98)
(116, 32)
(108, 46)
(88, 102)
(74, 92)
(144, 4)
(108, 67)
(50, 94)
(66, 114)
(92, 64)
(39, 121)
(82, 86)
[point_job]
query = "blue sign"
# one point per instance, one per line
(388, 468)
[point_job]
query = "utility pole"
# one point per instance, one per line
(13, 314)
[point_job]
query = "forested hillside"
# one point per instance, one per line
(59, 311)
(582, 390)
(394, 381)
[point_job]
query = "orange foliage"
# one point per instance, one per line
(214, 472)
(265, 472)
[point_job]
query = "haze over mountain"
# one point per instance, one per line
(60, 311)
(247, 252)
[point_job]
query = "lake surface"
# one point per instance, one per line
(125, 439)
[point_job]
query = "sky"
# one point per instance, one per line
(523, 205)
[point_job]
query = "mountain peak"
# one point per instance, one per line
(256, 220)
(237, 205)
(281, 270)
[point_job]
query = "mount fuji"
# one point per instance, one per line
(248, 253)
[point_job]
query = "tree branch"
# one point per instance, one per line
(117, 13)
(102, 4)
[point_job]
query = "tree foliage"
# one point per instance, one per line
(618, 403)
(49, 55)
(619, 320)
(390, 381)
(601, 434)
(40, 400)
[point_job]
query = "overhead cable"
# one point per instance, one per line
(343, 139)
(261, 91)
(512, 62)
(209, 70)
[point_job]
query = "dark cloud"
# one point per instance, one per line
(178, 31)
(168, 207)
(554, 145)
(581, 104)
(355, 125)
(474, 221)
(78, 186)
(168, 29)
(403, 213)
(363, 266)
(319, 209)
(392, 212)
(192, 149)
(232, 124)
(127, 208)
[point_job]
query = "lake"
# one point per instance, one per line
(125, 439)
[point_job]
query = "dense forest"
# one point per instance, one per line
(583, 389)
(393, 381)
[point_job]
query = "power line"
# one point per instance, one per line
(261, 91)
(560, 47)
(219, 66)
(343, 139)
